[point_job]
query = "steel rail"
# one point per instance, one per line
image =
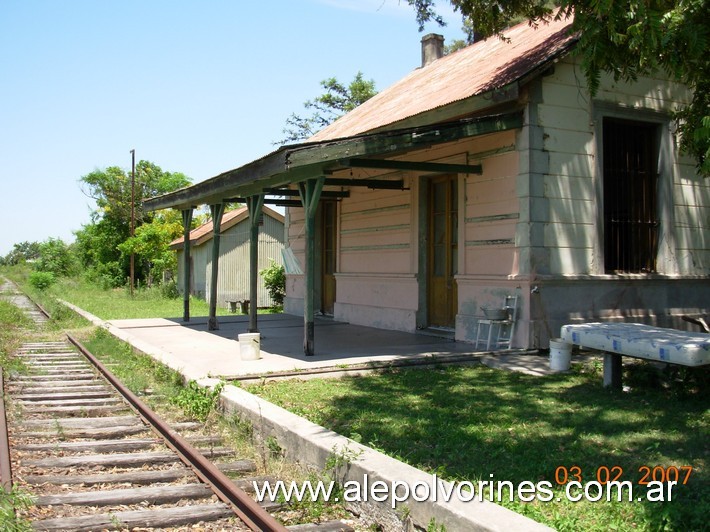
(5, 464)
(41, 309)
(253, 515)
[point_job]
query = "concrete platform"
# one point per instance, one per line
(199, 353)
(340, 347)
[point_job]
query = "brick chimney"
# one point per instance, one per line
(432, 48)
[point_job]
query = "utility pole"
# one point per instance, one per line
(133, 216)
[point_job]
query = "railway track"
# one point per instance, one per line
(94, 457)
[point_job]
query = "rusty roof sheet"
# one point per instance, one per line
(474, 70)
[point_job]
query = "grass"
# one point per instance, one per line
(467, 423)
(114, 303)
(14, 328)
(12, 503)
(119, 304)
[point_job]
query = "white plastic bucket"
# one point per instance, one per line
(560, 354)
(250, 346)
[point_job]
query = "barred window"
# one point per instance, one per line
(630, 196)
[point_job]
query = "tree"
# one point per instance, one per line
(55, 257)
(151, 243)
(22, 252)
(111, 189)
(326, 108)
(625, 38)
(100, 244)
(97, 249)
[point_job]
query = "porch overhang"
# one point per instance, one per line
(310, 166)
(297, 163)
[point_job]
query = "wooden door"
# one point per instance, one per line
(442, 243)
(328, 253)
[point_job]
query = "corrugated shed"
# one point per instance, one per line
(203, 233)
(233, 276)
(474, 70)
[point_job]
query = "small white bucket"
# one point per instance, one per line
(250, 346)
(560, 354)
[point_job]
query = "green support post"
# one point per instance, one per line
(186, 269)
(310, 194)
(255, 205)
(217, 211)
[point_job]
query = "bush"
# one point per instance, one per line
(275, 282)
(42, 280)
(55, 257)
(169, 289)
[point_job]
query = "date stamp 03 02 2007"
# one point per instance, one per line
(606, 474)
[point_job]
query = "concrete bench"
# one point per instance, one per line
(243, 304)
(639, 341)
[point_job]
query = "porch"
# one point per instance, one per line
(197, 352)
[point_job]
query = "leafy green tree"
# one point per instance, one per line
(97, 249)
(337, 100)
(626, 39)
(100, 244)
(151, 242)
(22, 252)
(55, 257)
(111, 189)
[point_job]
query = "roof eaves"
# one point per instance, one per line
(304, 161)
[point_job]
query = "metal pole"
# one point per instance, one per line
(133, 216)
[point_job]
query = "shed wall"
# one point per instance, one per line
(233, 277)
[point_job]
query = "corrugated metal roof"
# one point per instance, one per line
(476, 69)
(204, 232)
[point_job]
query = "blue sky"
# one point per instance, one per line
(198, 87)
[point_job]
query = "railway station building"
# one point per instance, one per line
(486, 178)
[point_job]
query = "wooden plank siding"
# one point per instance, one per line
(375, 232)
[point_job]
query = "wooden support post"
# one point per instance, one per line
(217, 212)
(612, 371)
(310, 194)
(186, 269)
(255, 205)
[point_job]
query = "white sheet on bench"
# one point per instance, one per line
(642, 341)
